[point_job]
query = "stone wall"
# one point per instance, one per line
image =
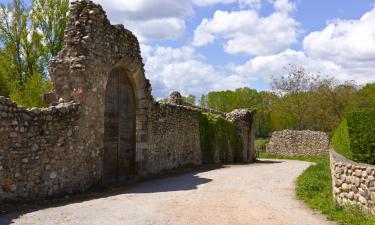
(60, 149)
(353, 183)
(293, 142)
(38, 154)
(173, 138)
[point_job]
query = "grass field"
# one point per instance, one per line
(315, 188)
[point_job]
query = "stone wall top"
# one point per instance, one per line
(353, 183)
(299, 142)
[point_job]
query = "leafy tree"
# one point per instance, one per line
(294, 90)
(367, 96)
(50, 17)
(203, 102)
(29, 37)
(190, 99)
(31, 94)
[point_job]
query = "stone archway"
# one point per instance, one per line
(119, 159)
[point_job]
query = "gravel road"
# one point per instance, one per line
(255, 194)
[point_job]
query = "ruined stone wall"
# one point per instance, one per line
(244, 120)
(293, 142)
(93, 48)
(173, 138)
(59, 150)
(353, 183)
(38, 157)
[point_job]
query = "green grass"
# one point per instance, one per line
(261, 142)
(314, 187)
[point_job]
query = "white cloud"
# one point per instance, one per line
(254, 4)
(284, 5)
(212, 2)
(245, 32)
(184, 70)
(348, 43)
(264, 67)
(156, 20)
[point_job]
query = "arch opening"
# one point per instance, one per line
(119, 128)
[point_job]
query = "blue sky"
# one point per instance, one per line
(196, 46)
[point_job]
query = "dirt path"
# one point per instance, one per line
(256, 194)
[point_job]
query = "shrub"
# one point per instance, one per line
(31, 94)
(355, 137)
(340, 140)
(217, 133)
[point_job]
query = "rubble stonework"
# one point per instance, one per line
(294, 142)
(62, 149)
(244, 120)
(175, 98)
(353, 183)
(38, 154)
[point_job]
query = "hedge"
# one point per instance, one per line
(340, 140)
(355, 137)
(217, 133)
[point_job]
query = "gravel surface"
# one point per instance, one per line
(255, 194)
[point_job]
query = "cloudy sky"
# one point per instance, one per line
(196, 46)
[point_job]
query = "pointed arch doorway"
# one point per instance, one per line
(119, 128)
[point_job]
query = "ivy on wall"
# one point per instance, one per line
(221, 135)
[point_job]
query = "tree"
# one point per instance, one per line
(203, 102)
(367, 96)
(294, 90)
(50, 17)
(190, 99)
(29, 37)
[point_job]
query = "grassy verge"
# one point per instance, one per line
(261, 143)
(315, 188)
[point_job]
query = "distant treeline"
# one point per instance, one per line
(299, 100)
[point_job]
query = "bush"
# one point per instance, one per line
(340, 140)
(31, 94)
(217, 133)
(355, 137)
(261, 143)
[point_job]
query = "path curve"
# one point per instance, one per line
(258, 194)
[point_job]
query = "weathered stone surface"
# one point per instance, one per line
(175, 98)
(293, 142)
(22, 160)
(60, 150)
(358, 183)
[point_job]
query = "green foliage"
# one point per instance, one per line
(217, 133)
(190, 99)
(340, 140)
(29, 37)
(30, 95)
(227, 101)
(261, 143)
(203, 102)
(367, 96)
(314, 186)
(361, 128)
(355, 137)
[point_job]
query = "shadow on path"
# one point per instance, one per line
(178, 180)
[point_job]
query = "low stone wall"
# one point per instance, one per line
(37, 153)
(353, 183)
(293, 142)
(174, 137)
